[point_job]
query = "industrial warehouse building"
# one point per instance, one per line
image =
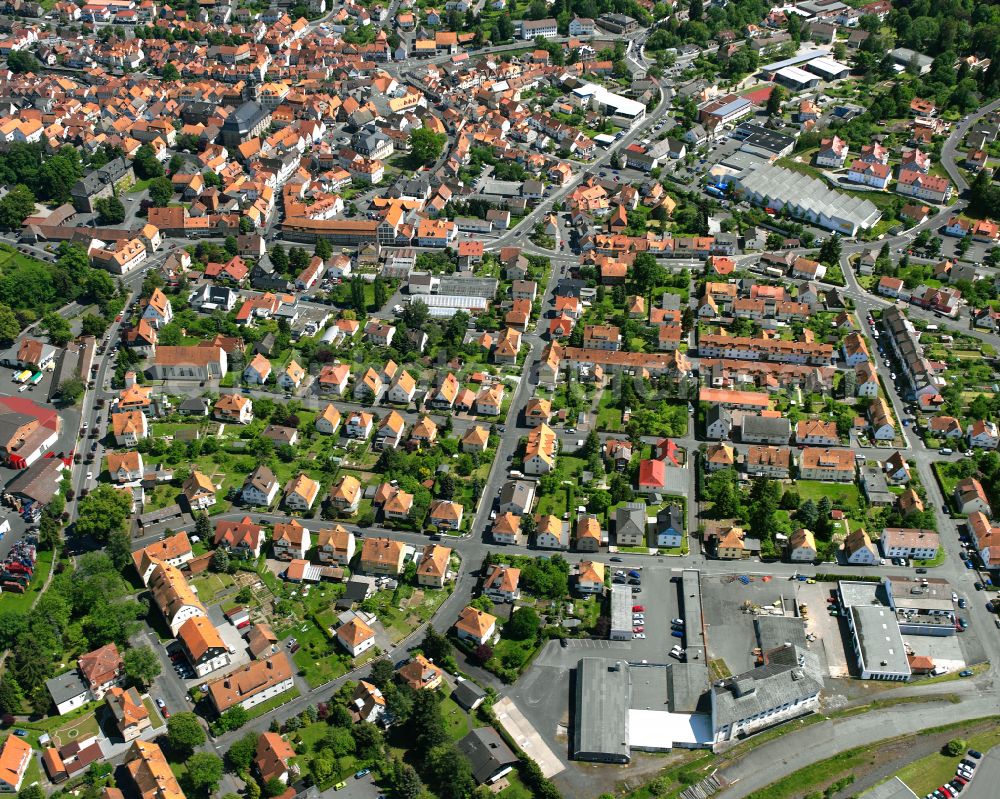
(807, 198)
(828, 69)
(623, 706)
(796, 79)
(620, 110)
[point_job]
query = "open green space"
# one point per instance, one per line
(925, 775)
(403, 610)
(319, 658)
(456, 719)
(842, 494)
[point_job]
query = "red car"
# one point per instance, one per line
(638, 628)
(638, 609)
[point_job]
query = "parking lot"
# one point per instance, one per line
(829, 630)
(945, 650)
(365, 788)
(660, 604)
(66, 441)
(726, 604)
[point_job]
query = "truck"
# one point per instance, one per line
(36, 378)
(715, 191)
(20, 377)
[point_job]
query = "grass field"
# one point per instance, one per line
(927, 774)
(153, 711)
(842, 494)
(403, 610)
(271, 704)
(78, 729)
(316, 656)
(455, 719)
(210, 584)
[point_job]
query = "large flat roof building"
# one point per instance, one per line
(796, 78)
(796, 60)
(807, 198)
(878, 643)
(602, 701)
(622, 706)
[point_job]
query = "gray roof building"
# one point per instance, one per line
(766, 429)
(487, 753)
(39, 482)
(67, 688)
(764, 141)
(602, 710)
(244, 118)
(807, 198)
(878, 643)
(903, 56)
(467, 694)
(630, 520)
(875, 486)
(517, 496)
(100, 182)
(621, 612)
(742, 702)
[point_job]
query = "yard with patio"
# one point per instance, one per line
(78, 729)
(406, 608)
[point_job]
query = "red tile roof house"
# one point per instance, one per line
(925, 187)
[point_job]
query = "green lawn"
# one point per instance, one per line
(608, 416)
(510, 657)
(403, 610)
(515, 789)
(78, 729)
(271, 704)
(209, 585)
(926, 774)
(804, 166)
(320, 659)
(588, 611)
(53, 723)
(455, 719)
(819, 774)
(936, 561)
(947, 479)
(840, 494)
(140, 185)
(153, 711)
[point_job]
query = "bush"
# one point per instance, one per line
(955, 747)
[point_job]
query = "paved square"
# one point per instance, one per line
(527, 737)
